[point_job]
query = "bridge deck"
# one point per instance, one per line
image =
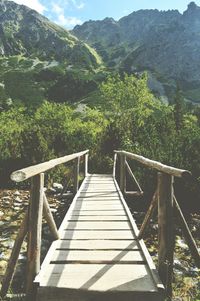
(98, 255)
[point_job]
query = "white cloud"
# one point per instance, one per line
(57, 9)
(78, 5)
(68, 22)
(34, 4)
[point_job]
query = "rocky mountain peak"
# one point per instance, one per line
(192, 10)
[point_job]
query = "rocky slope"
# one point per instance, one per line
(23, 31)
(166, 43)
(40, 60)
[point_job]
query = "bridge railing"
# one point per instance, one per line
(165, 200)
(31, 225)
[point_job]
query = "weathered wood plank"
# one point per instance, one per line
(101, 277)
(98, 218)
(96, 244)
(102, 203)
(107, 252)
(97, 255)
(111, 199)
(156, 165)
(28, 172)
(102, 234)
(98, 225)
(97, 206)
(98, 212)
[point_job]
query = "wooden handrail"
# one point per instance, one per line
(28, 172)
(156, 165)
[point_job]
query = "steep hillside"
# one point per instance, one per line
(40, 60)
(166, 43)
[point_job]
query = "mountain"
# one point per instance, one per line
(40, 60)
(24, 31)
(164, 43)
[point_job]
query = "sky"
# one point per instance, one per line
(69, 13)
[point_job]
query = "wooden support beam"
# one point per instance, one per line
(34, 233)
(156, 165)
(28, 172)
(148, 216)
(14, 256)
(187, 234)
(76, 174)
(166, 239)
(114, 165)
(122, 173)
(133, 193)
(133, 177)
(49, 218)
(86, 165)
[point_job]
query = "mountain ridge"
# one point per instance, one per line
(164, 43)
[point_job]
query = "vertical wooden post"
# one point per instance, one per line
(114, 165)
(14, 257)
(166, 230)
(34, 233)
(122, 173)
(76, 174)
(86, 165)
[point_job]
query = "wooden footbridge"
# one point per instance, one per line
(98, 250)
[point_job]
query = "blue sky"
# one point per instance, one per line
(68, 13)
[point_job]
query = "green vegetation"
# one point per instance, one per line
(126, 116)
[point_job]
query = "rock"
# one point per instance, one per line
(16, 193)
(6, 198)
(57, 186)
(52, 190)
(53, 210)
(181, 244)
(17, 205)
(18, 200)
(1, 213)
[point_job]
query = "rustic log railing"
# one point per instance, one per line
(32, 223)
(164, 199)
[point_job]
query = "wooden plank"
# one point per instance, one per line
(99, 218)
(97, 206)
(102, 199)
(97, 213)
(97, 256)
(98, 225)
(59, 294)
(99, 190)
(100, 277)
(113, 254)
(96, 244)
(101, 202)
(102, 234)
(152, 269)
(86, 194)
